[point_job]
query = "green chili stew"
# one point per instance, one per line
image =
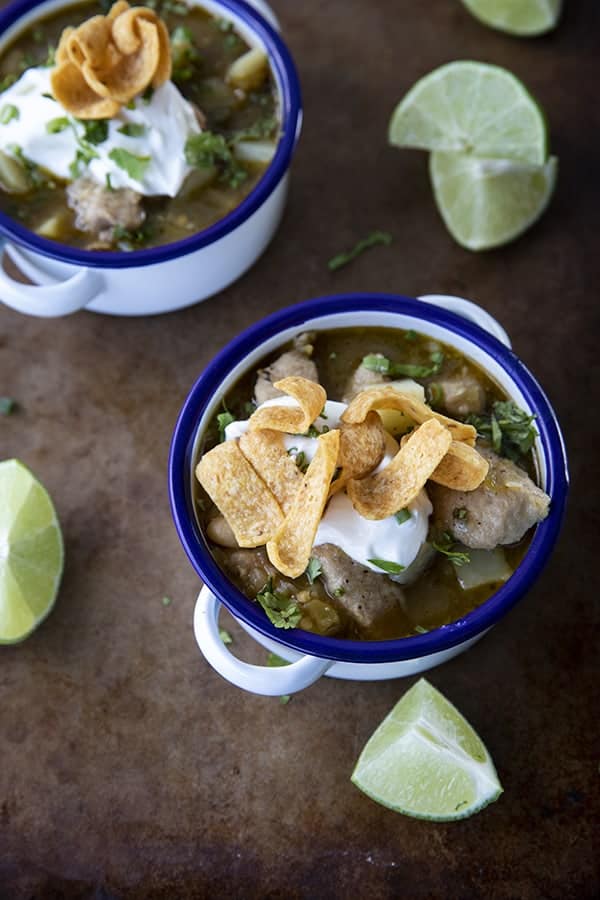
(203, 49)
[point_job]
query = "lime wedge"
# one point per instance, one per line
(489, 202)
(426, 761)
(31, 552)
(471, 107)
(525, 18)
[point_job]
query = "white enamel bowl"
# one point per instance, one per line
(161, 279)
(452, 320)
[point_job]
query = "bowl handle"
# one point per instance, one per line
(471, 311)
(50, 297)
(270, 681)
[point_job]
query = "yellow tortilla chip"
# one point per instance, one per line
(72, 91)
(251, 510)
(390, 398)
(384, 493)
(266, 452)
(361, 450)
(291, 419)
(290, 548)
(462, 468)
(115, 57)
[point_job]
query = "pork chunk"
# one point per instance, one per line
(462, 394)
(360, 380)
(500, 511)
(366, 596)
(98, 210)
(293, 362)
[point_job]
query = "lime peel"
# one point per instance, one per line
(523, 18)
(426, 761)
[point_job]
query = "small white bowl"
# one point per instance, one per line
(169, 277)
(452, 320)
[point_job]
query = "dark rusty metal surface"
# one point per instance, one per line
(129, 768)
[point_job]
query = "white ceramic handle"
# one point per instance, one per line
(270, 681)
(471, 311)
(50, 297)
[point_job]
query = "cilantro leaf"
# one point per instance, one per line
(313, 569)
(283, 612)
(392, 568)
(402, 516)
(376, 362)
(135, 166)
(205, 150)
(95, 131)
(7, 406)
(223, 420)
(508, 428)
(55, 126)
(225, 636)
(374, 238)
(132, 129)
(444, 544)
(8, 112)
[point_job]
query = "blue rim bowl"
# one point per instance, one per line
(208, 387)
(286, 76)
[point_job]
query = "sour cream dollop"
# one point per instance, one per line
(165, 121)
(361, 539)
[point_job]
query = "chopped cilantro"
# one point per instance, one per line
(49, 97)
(55, 126)
(148, 94)
(435, 394)
(410, 335)
(420, 630)
(35, 174)
(282, 611)
(130, 104)
(262, 128)
(109, 186)
(508, 428)
(339, 592)
(275, 662)
(342, 259)
(223, 420)
(95, 131)
(135, 166)
(376, 362)
(132, 129)
(301, 461)
(184, 54)
(459, 512)
(50, 57)
(392, 568)
(166, 601)
(205, 150)
(8, 112)
(444, 544)
(313, 569)
(126, 237)
(225, 636)
(7, 406)
(402, 516)
(249, 407)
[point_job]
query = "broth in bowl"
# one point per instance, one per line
(148, 168)
(368, 483)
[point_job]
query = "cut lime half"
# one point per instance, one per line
(426, 761)
(31, 552)
(474, 108)
(525, 18)
(488, 202)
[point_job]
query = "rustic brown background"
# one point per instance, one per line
(129, 768)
